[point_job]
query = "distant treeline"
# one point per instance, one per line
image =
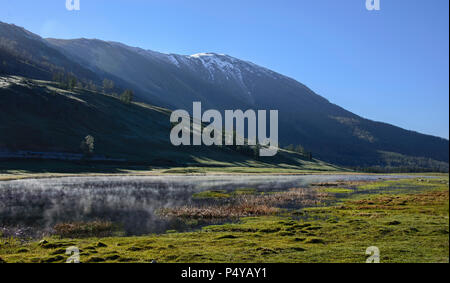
(381, 169)
(300, 149)
(70, 81)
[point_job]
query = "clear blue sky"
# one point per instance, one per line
(390, 65)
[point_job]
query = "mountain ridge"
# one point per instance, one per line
(223, 82)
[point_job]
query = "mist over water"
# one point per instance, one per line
(36, 205)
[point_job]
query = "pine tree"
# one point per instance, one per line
(88, 145)
(127, 96)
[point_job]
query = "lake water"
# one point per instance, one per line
(31, 207)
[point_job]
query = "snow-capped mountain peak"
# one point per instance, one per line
(208, 54)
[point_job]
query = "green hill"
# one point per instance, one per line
(50, 123)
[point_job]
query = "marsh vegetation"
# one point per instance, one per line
(407, 219)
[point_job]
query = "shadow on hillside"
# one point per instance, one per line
(54, 166)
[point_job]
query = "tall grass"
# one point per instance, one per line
(85, 229)
(248, 205)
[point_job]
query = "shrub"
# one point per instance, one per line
(85, 229)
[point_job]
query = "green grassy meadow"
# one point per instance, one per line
(408, 220)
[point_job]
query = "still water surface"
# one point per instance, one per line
(33, 206)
